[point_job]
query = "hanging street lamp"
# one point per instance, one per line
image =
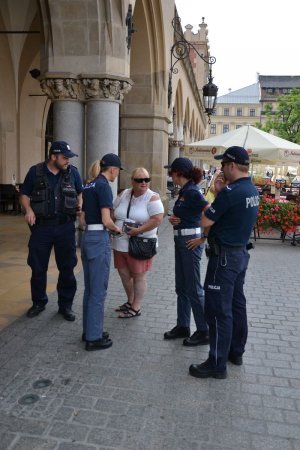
(181, 50)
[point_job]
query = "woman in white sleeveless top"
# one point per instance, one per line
(145, 214)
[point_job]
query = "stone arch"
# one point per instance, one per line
(147, 59)
(192, 126)
(144, 115)
(186, 120)
(178, 111)
(32, 126)
(196, 129)
(19, 92)
(7, 114)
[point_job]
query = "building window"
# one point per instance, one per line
(270, 90)
(252, 112)
(284, 91)
(225, 128)
(213, 128)
(237, 127)
(239, 112)
(226, 111)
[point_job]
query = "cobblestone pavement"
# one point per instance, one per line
(138, 394)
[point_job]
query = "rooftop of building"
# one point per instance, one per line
(279, 81)
(248, 94)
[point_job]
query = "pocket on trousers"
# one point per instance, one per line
(94, 246)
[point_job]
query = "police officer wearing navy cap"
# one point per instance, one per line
(96, 248)
(186, 220)
(51, 198)
(230, 220)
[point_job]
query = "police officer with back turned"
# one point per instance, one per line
(230, 220)
(51, 198)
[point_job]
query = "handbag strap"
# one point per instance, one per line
(129, 204)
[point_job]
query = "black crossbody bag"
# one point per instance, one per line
(140, 247)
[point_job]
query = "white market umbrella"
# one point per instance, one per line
(262, 147)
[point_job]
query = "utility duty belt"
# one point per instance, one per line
(215, 249)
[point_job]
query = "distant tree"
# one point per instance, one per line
(284, 119)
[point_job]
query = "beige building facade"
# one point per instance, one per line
(247, 106)
(235, 109)
(95, 73)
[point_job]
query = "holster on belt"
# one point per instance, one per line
(213, 248)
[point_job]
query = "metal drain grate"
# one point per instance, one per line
(42, 383)
(29, 399)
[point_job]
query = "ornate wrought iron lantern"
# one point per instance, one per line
(179, 51)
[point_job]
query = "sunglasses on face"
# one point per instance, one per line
(142, 180)
(224, 163)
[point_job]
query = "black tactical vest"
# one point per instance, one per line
(65, 195)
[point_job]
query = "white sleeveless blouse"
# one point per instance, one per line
(141, 210)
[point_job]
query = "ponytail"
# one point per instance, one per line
(196, 174)
(94, 171)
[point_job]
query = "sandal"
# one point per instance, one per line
(129, 313)
(123, 307)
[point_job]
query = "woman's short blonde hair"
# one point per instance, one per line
(139, 169)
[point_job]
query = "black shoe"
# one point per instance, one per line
(100, 344)
(236, 360)
(197, 338)
(105, 335)
(35, 310)
(177, 332)
(206, 370)
(67, 314)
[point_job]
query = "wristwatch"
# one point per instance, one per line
(203, 235)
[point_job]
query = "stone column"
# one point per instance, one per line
(174, 146)
(102, 129)
(68, 118)
(68, 115)
(103, 97)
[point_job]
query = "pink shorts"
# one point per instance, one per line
(123, 259)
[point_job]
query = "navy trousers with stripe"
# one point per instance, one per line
(225, 305)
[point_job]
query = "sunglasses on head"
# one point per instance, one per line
(142, 180)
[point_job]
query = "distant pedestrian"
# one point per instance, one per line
(51, 199)
(231, 219)
(96, 248)
(186, 220)
(213, 188)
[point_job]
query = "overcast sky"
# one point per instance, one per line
(247, 37)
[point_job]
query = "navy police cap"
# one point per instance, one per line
(61, 148)
(235, 154)
(180, 164)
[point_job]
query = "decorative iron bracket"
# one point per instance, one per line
(181, 50)
(129, 24)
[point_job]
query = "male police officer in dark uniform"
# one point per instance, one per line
(230, 220)
(51, 198)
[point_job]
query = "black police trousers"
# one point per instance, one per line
(43, 238)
